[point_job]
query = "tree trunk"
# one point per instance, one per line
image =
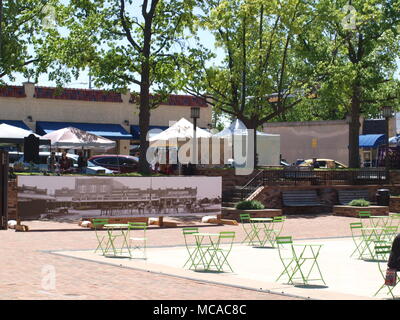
(144, 107)
(354, 128)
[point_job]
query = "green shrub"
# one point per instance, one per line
(250, 205)
(359, 203)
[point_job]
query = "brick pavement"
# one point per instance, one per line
(23, 258)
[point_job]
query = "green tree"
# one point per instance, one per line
(261, 76)
(355, 46)
(23, 29)
(126, 43)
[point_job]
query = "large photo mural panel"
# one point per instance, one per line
(72, 198)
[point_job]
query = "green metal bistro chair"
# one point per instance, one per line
(101, 236)
(364, 215)
(395, 219)
(390, 233)
(357, 237)
(277, 226)
(190, 246)
(382, 252)
(247, 227)
(285, 254)
(220, 253)
(139, 239)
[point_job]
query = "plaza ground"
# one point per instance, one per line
(67, 248)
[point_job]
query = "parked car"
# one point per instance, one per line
(116, 163)
(324, 164)
(95, 169)
(284, 164)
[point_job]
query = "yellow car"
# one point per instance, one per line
(324, 164)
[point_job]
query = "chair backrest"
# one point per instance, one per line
(186, 231)
(382, 251)
(356, 225)
(189, 231)
(284, 240)
(364, 214)
(99, 223)
(391, 232)
(279, 219)
(244, 217)
(227, 237)
(137, 226)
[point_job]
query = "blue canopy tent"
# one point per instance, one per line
(372, 142)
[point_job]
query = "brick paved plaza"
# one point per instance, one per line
(26, 260)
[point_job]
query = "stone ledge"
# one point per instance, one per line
(351, 211)
(234, 214)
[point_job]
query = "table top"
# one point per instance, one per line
(116, 225)
(261, 219)
(307, 244)
(373, 228)
(379, 216)
(205, 234)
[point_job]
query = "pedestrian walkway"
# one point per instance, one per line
(258, 268)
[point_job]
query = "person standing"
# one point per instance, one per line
(82, 162)
(51, 162)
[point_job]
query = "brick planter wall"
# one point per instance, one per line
(234, 214)
(349, 211)
(394, 204)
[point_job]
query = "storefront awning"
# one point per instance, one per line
(106, 130)
(16, 123)
(372, 140)
(135, 130)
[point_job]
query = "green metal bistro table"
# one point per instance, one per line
(305, 257)
(261, 231)
(370, 236)
(202, 257)
(115, 231)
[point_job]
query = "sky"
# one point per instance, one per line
(206, 39)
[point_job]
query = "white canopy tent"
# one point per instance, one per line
(73, 138)
(268, 145)
(176, 139)
(181, 130)
(14, 135)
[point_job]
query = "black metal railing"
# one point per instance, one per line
(363, 176)
(256, 182)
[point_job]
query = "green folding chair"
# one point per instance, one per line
(382, 252)
(277, 227)
(357, 237)
(389, 233)
(220, 253)
(245, 220)
(364, 215)
(139, 239)
(285, 254)
(395, 219)
(190, 246)
(101, 236)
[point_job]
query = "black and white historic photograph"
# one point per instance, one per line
(88, 197)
